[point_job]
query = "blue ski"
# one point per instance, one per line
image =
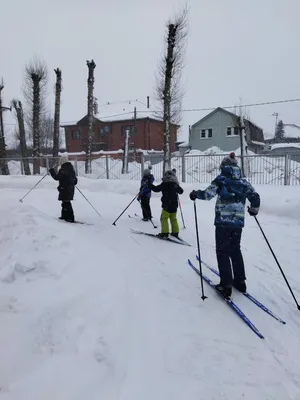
(230, 303)
(249, 296)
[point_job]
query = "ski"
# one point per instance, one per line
(165, 239)
(75, 222)
(249, 296)
(228, 301)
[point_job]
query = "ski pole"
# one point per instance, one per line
(154, 226)
(114, 223)
(277, 262)
(199, 257)
(87, 200)
(21, 200)
(184, 227)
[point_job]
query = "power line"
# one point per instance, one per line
(184, 110)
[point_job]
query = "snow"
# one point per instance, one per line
(291, 130)
(124, 110)
(284, 145)
(96, 312)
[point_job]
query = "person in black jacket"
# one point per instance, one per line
(67, 181)
(170, 189)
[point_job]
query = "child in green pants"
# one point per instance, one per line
(170, 189)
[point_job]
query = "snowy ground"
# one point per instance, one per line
(95, 312)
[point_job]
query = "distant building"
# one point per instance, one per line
(219, 129)
(145, 129)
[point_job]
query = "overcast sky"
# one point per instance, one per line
(248, 49)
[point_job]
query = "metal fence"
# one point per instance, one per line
(259, 169)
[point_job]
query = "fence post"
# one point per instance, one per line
(183, 174)
(286, 169)
(142, 163)
(107, 166)
(22, 166)
(47, 165)
(76, 166)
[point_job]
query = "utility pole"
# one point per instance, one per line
(276, 121)
(90, 113)
(3, 160)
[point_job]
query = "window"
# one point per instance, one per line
(232, 131)
(206, 133)
(75, 135)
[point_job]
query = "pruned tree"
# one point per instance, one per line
(3, 160)
(58, 88)
(90, 111)
(36, 77)
(169, 86)
(279, 133)
(17, 105)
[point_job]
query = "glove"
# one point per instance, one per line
(193, 195)
(138, 198)
(252, 211)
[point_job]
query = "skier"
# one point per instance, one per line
(67, 181)
(170, 190)
(145, 193)
(232, 193)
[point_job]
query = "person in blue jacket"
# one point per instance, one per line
(145, 193)
(232, 192)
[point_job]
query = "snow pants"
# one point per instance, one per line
(67, 212)
(229, 255)
(146, 210)
(164, 219)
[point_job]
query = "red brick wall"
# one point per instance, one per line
(148, 136)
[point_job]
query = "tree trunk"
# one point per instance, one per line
(3, 160)
(36, 124)
(90, 108)
(167, 95)
(23, 146)
(57, 114)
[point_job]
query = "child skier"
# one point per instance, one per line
(232, 193)
(170, 190)
(67, 181)
(145, 193)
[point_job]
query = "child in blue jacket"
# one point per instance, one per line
(145, 193)
(231, 191)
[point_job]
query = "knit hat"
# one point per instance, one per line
(63, 159)
(229, 160)
(146, 172)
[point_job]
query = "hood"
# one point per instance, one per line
(231, 171)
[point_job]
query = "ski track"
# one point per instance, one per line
(120, 317)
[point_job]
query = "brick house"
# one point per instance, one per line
(146, 133)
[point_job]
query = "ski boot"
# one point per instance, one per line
(225, 290)
(240, 286)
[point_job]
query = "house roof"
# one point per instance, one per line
(291, 130)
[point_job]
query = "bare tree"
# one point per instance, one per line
(90, 111)
(17, 105)
(3, 160)
(169, 87)
(57, 112)
(36, 77)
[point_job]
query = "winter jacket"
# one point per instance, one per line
(67, 181)
(145, 190)
(170, 190)
(232, 192)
